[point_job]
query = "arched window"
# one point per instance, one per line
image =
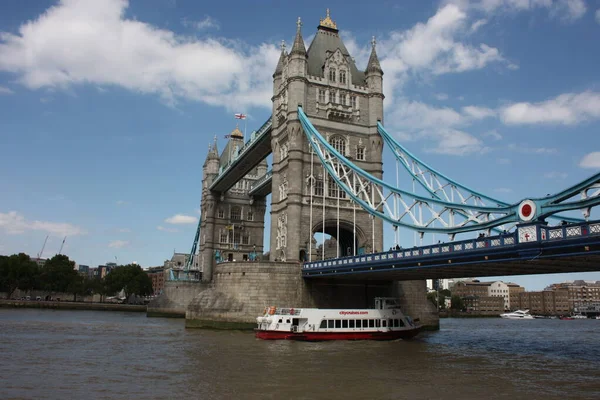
(332, 75)
(342, 77)
(236, 214)
(339, 143)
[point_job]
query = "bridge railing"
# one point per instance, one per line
(261, 180)
(569, 231)
(253, 138)
(546, 234)
(482, 243)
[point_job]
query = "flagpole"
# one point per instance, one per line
(245, 122)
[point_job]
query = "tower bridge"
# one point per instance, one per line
(326, 136)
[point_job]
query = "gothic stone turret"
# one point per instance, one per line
(344, 104)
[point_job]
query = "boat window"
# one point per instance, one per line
(401, 323)
(338, 323)
(344, 323)
(384, 323)
(330, 323)
(391, 323)
(323, 324)
(351, 323)
(358, 323)
(396, 323)
(280, 320)
(371, 323)
(377, 323)
(287, 321)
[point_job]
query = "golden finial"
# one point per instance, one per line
(327, 21)
(299, 23)
(373, 41)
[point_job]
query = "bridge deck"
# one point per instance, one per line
(254, 151)
(490, 256)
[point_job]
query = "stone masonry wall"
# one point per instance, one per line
(413, 299)
(175, 298)
(242, 290)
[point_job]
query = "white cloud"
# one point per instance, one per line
(124, 230)
(478, 112)
(117, 244)
(591, 160)
(181, 219)
(206, 23)
(478, 24)
(566, 109)
(439, 126)
(532, 150)
(5, 90)
(493, 134)
(598, 16)
(162, 228)
(555, 175)
(433, 46)
(441, 96)
(456, 143)
(121, 202)
(92, 42)
(504, 161)
(15, 223)
(566, 10)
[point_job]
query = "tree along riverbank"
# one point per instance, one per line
(69, 305)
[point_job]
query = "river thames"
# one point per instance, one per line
(55, 354)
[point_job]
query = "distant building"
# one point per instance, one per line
(484, 305)
(39, 261)
(580, 293)
(84, 269)
(487, 289)
(513, 295)
(93, 273)
(104, 270)
(157, 274)
(545, 302)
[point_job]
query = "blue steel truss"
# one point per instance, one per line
(188, 274)
(436, 214)
(438, 184)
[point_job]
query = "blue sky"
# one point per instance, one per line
(107, 107)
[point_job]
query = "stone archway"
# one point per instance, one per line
(346, 242)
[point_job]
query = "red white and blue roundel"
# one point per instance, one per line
(527, 210)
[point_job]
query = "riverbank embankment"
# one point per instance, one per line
(70, 305)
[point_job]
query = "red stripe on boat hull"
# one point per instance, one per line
(321, 336)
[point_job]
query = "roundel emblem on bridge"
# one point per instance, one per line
(527, 210)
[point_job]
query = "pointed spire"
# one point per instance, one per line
(298, 46)
(279, 68)
(215, 149)
(373, 65)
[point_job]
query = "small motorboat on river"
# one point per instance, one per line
(385, 322)
(518, 314)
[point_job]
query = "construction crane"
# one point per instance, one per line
(61, 246)
(39, 256)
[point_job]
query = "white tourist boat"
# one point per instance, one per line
(385, 322)
(518, 314)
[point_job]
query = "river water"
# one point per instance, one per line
(56, 354)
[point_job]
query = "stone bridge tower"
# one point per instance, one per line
(233, 223)
(344, 103)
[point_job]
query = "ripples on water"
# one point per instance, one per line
(51, 354)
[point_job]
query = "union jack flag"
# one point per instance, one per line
(240, 116)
